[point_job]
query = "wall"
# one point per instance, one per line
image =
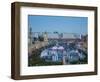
(5, 40)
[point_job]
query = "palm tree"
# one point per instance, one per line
(55, 32)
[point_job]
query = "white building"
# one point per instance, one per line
(64, 36)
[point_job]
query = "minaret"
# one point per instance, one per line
(30, 36)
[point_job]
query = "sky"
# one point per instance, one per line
(59, 24)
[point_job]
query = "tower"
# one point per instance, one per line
(45, 35)
(30, 36)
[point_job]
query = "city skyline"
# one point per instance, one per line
(61, 24)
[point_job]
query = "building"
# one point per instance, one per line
(66, 36)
